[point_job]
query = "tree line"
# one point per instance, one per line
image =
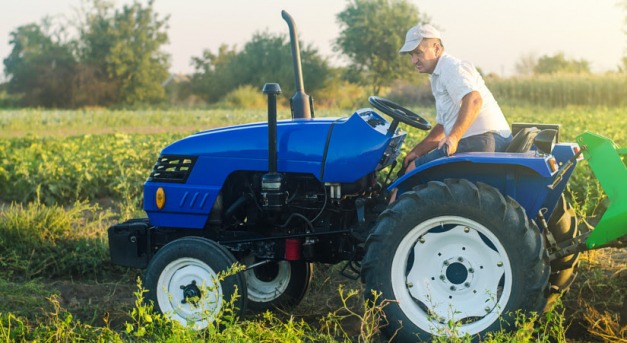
(115, 58)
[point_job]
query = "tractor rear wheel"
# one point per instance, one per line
(563, 226)
(185, 282)
(454, 256)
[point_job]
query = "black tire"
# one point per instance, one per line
(278, 284)
(563, 225)
(181, 281)
(480, 260)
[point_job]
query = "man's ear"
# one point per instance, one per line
(438, 49)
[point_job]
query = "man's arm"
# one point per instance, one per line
(468, 111)
(427, 144)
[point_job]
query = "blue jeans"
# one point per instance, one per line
(485, 142)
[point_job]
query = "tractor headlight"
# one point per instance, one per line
(160, 198)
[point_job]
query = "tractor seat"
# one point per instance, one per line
(523, 140)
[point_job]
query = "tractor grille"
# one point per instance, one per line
(172, 168)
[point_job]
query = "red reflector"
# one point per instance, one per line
(292, 249)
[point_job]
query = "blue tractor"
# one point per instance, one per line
(471, 238)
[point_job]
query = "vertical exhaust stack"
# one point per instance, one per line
(301, 103)
(272, 182)
(272, 90)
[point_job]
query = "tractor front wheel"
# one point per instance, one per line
(454, 256)
(277, 284)
(187, 280)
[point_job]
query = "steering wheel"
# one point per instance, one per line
(399, 113)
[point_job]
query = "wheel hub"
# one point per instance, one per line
(463, 274)
(456, 273)
(191, 293)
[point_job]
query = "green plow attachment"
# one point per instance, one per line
(607, 164)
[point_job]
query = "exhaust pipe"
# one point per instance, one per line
(301, 103)
(272, 182)
(272, 90)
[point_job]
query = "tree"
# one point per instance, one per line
(211, 74)
(372, 32)
(40, 66)
(265, 58)
(116, 59)
(120, 53)
(559, 64)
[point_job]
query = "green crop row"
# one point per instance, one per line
(63, 170)
(57, 170)
(562, 90)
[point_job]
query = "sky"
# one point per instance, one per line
(492, 34)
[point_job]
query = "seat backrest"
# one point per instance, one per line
(523, 140)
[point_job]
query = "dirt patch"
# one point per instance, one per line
(98, 304)
(596, 304)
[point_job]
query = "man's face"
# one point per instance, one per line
(426, 55)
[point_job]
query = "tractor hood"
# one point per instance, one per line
(332, 149)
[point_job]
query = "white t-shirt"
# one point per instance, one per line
(451, 80)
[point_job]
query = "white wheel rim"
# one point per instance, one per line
(178, 277)
(454, 275)
(266, 291)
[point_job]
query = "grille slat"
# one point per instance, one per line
(172, 168)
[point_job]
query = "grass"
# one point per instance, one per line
(65, 176)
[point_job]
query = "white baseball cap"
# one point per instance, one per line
(416, 34)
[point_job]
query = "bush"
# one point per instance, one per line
(341, 95)
(412, 94)
(247, 97)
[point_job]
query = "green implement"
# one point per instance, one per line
(607, 164)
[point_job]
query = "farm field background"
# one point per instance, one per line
(65, 176)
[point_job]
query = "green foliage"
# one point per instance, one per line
(40, 66)
(415, 93)
(84, 167)
(37, 240)
(559, 64)
(265, 58)
(372, 32)
(24, 299)
(340, 94)
(115, 60)
(561, 90)
(124, 48)
(547, 328)
(245, 97)
(371, 316)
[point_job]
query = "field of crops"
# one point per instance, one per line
(65, 176)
